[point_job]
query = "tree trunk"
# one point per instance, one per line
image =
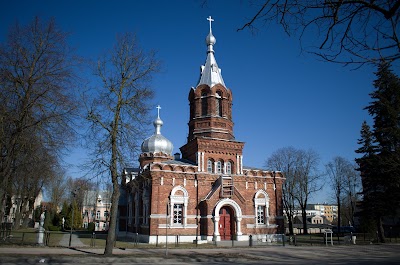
(290, 225)
(381, 232)
(111, 236)
(339, 214)
(304, 217)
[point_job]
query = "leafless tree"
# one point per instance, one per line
(307, 177)
(285, 160)
(117, 112)
(32, 170)
(337, 171)
(300, 169)
(345, 181)
(56, 188)
(343, 31)
(353, 190)
(37, 101)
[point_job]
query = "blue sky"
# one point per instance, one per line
(281, 97)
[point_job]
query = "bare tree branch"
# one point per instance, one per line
(345, 30)
(118, 114)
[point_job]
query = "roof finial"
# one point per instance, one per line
(211, 20)
(158, 111)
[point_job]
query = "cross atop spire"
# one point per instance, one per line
(158, 111)
(211, 20)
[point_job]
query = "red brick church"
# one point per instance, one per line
(207, 194)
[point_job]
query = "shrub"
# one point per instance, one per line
(53, 228)
(91, 227)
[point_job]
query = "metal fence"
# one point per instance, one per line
(132, 240)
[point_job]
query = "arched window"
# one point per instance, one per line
(218, 104)
(204, 104)
(261, 205)
(228, 167)
(210, 166)
(178, 205)
(218, 170)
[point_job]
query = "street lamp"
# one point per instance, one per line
(72, 219)
(166, 227)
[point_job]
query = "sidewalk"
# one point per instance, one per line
(75, 241)
(366, 254)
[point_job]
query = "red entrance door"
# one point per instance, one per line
(225, 225)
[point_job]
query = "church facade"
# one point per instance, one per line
(205, 193)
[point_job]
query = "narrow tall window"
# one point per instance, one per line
(218, 104)
(204, 104)
(179, 200)
(261, 214)
(219, 167)
(210, 166)
(178, 213)
(228, 167)
(261, 208)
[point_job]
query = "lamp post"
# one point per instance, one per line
(72, 219)
(166, 229)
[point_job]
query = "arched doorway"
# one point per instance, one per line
(226, 223)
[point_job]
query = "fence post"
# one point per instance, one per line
(283, 239)
(93, 240)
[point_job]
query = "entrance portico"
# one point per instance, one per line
(227, 220)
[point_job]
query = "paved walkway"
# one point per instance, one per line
(300, 255)
(75, 241)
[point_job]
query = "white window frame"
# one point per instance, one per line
(177, 214)
(261, 214)
(261, 198)
(228, 166)
(179, 199)
(210, 166)
(218, 167)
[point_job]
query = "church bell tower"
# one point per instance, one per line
(210, 136)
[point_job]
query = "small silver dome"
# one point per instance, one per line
(210, 39)
(157, 143)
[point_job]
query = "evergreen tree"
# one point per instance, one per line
(77, 223)
(380, 163)
(66, 213)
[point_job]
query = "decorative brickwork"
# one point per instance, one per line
(208, 194)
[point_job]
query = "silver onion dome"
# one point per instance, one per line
(157, 143)
(210, 39)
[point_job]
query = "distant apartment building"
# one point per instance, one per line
(329, 211)
(96, 209)
(316, 213)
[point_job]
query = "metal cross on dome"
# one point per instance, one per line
(158, 111)
(211, 20)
